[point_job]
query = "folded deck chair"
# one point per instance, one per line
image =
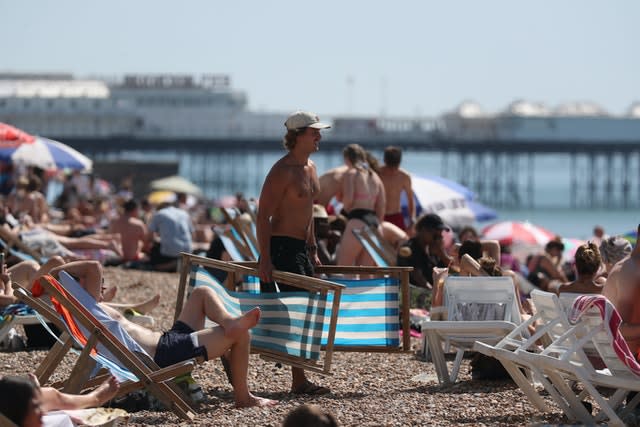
(372, 311)
(104, 342)
(594, 321)
(478, 309)
(291, 325)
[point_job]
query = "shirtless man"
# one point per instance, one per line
(188, 337)
(330, 185)
(133, 232)
(285, 228)
(623, 290)
(396, 180)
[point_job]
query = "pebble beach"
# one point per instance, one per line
(367, 389)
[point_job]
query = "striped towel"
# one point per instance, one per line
(612, 321)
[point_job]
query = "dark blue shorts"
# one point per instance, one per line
(175, 346)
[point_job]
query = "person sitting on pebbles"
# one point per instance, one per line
(188, 338)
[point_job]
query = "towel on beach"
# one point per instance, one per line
(612, 321)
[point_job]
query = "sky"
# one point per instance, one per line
(346, 57)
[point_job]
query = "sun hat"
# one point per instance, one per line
(304, 119)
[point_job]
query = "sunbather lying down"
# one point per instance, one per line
(188, 338)
(26, 272)
(24, 402)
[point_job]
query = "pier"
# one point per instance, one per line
(501, 172)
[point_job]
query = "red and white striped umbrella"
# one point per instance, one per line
(21, 148)
(516, 233)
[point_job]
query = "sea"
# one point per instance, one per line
(227, 173)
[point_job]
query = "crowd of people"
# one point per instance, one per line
(303, 219)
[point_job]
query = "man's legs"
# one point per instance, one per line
(232, 334)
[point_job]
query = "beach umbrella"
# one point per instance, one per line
(524, 238)
(517, 232)
(455, 203)
(631, 236)
(23, 149)
(177, 184)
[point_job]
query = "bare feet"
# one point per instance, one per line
(255, 401)
(239, 325)
(106, 391)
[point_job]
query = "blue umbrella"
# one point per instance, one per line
(24, 149)
(455, 203)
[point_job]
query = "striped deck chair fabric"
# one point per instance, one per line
(291, 325)
(369, 314)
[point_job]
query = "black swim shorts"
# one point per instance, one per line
(288, 254)
(175, 346)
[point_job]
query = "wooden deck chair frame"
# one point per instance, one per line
(235, 272)
(400, 274)
(462, 334)
(150, 376)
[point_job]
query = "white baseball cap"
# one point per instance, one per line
(304, 119)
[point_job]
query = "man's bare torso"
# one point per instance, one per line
(394, 180)
(292, 216)
(132, 234)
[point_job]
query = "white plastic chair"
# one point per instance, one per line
(478, 309)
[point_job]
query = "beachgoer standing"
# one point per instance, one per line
(396, 180)
(363, 197)
(285, 225)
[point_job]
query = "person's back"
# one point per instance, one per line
(175, 229)
(396, 180)
(133, 232)
(330, 185)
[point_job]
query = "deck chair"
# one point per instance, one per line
(14, 315)
(594, 321)
(551, 322)
(244, 233)
(372, 311)
(105, 343)
(478, 309)
(236, 249)
(292, 324)
(375, 245)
